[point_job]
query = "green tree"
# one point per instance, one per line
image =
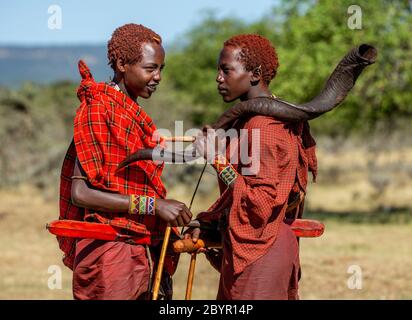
(310, 37)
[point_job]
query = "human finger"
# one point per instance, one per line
(179, 221)
(186, 216)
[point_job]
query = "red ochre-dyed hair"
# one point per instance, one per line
(256, 51)
(126, 43)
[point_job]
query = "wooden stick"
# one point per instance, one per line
(179, 139)
(190, 276)
(159, 270)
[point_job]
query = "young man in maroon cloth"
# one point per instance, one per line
(108, 126)
(260, 258)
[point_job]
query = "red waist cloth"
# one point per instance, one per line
(109, 126)
(258, 202)
(274, 276)
(108, 270)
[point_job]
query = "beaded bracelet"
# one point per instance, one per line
(224, 169)
(140, 204)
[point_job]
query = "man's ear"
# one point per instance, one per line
(120, 65)
(256, 75)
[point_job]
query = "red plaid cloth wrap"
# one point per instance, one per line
(257, 204)
(109, 126)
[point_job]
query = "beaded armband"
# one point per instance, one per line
(224, 169)
(139, 204)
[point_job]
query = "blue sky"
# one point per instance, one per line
(90, 21)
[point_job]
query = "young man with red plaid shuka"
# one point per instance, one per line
(109, 125)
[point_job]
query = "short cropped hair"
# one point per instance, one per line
(256, 51)
(126, 43)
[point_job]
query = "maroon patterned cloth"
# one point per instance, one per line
(274, 276)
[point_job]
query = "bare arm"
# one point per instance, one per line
(172, 211)
(85, 196)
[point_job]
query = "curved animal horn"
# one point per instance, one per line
(338, 85)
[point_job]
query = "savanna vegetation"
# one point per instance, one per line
(365, 148)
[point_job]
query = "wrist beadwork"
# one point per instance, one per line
(224, 169)
(140, 204)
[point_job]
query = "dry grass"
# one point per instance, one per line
(373, 175)
(381, 250)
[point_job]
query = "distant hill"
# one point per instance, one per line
(49, 64)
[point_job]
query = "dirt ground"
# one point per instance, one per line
(380, 252)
